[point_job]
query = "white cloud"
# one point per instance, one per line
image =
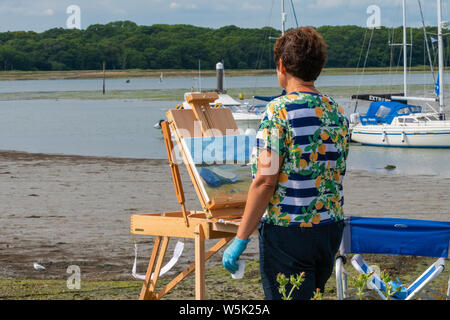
(177, 5)
(349, 4)
(44, 14)
(49, 12)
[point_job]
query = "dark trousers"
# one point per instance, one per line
(292, 251)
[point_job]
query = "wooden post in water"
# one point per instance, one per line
(104, 65)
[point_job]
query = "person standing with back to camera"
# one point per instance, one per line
(296, 197)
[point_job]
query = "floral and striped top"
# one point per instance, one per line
(310, 132)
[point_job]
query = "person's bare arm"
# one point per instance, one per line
(260, 192)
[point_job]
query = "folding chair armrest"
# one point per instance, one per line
(375, 283)
(360, 264)
(440, 263)
(429, 274)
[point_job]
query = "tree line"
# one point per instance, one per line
(125, 45)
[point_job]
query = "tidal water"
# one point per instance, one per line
(117, 128)
(210, 82)
(125, 128)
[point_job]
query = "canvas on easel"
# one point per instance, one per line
(220, 165)
(215, 154)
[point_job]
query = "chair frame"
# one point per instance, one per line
(376, 284)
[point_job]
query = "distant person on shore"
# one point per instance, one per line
(296, 198)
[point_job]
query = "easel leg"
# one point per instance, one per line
(149, 285)
(200, 284)
(145, 294)
(191, 268)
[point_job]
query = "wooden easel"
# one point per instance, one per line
(201, 120)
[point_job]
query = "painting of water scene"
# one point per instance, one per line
(222, 164)
(225, 180)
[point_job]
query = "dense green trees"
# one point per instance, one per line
(348, 46)
(125, 45)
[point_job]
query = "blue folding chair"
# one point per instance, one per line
(390, 236)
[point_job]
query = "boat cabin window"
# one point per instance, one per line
(422, 119)
(401, 120)
(403, 111)
(409, 120)
(382, 112)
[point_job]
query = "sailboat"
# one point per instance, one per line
(392, 122)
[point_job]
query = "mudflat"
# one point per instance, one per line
(60, 210)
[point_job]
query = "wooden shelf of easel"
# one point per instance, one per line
(221, 216)
(171, 224)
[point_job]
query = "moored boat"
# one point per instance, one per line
(395, 124)
(392, 122)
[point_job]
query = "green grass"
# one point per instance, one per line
(25, 289)
(219, 284)
(123, 74)
(177, 94)
(155, 95)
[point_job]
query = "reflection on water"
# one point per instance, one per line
(120, 128)
(407, 161)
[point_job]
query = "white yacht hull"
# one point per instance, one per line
(413, 137)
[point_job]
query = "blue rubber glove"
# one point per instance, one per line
(232, 254)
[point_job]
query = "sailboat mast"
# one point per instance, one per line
(283, 18)
(441, 63)
(199, 77)
(405, 52)
(441, 60)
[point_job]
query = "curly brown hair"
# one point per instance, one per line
(303, 53)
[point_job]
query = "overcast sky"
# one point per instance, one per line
(40, 15)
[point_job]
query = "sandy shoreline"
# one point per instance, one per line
(73, 210)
